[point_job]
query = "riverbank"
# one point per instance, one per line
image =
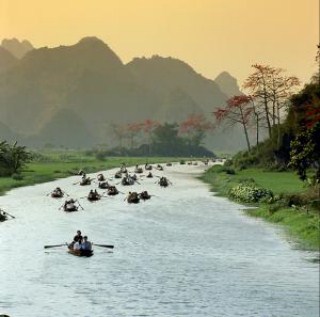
(59, 165)
(275, 197)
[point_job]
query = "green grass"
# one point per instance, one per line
(278, 182)
(58, 165)
(302, 226)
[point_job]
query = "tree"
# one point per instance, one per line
(133, 129)
(148, 126)
(237, 111)
(195, 127)
(305, 153)
(166, 140)
(271, 89)
(12, 158)
(304, 118)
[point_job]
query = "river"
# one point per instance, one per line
(184, 252)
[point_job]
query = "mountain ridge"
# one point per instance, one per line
(89, 80)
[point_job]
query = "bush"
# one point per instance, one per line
(250, 193)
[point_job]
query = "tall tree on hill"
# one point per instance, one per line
(238, 110)
(271, 90)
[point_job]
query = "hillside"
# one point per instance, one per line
(90, 81)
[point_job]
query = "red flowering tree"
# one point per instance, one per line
(238, 110)
(194, 128)
(133, 130)
(148, 126)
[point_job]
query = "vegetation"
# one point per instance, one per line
(50, 165)
(154, 139)
(12, 159)
(279, 198)
(264, 175)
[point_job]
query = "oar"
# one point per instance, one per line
(55, 245)
(66, 193)
(6, 213)
(80, 205)
(104, 245)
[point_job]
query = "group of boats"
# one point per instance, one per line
(127, 179)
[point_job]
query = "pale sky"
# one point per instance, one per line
(210, 35)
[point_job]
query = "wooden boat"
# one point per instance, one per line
(69, 205)
(104, 185)
(144, 195)
(133, 198)
(101, 177)
(70, 208)
(163, 182)
(57, 194)
(86, 253)
(138, 170)
(112, 190)
(85, 181)
(94, 197)
(3, 216)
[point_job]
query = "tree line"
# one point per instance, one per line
(150, 137)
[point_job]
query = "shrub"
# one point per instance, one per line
(249, 193)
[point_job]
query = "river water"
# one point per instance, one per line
(185, 252)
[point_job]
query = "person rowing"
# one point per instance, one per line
(86, 245)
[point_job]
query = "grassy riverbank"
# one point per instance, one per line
(302, 224)
(54, 165)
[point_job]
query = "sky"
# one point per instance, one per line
(210, 35)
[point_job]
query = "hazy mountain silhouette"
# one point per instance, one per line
(17, 48)
(165, 75)
(6, 133)
(69, 95)
(65, 128)
(228, 84)
(7, 60)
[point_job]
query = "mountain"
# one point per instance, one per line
(163, 76)
(17, 48)
(65, 128)
(73, 95)
(228, 84)
(7, 60)
(6, 134)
